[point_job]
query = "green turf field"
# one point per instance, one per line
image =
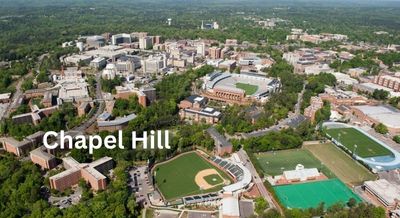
(311, 194)
(366, 147)
(248, 88)
(341, 164)
(176, 178)
(213, 179)
(274, 163)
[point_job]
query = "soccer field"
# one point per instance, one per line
(248, 88)
(311, 194)
(342, 165)
(175, 178)
(274, 163)
(366, 147)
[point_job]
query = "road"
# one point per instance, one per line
(257, 180)
(100, 107)
(292, 117)
(16, 96)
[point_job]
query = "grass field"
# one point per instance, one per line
(366, 147)
(248, 88)
(274, 163)
(311, 194)
(343, 166)
(213, 179)
(176, 178)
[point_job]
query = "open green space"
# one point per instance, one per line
(341, 164)
(175, 178)
(311, 194)
(248, 88)
(274, 163)
(366, 147)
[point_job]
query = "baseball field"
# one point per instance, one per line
(341, 164)
(274, 163)
(365, 146)
(311, 194)
(188, 174)
(248, 88)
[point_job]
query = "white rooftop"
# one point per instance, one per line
(301, 173)
(230, 207)
(385, 190)
(389, 116)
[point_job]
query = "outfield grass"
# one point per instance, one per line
(274, 163)
(341, 164)
(175, 178)
(248, 88)
(311, 194)
(366, 147)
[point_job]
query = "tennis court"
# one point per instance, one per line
(311, 194)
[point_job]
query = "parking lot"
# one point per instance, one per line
(140, 184)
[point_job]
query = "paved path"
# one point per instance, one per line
(100, 107)
(257, 180)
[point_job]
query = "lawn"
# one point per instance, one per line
(248, 88)
(341, 164)
(366, 147)
(311, 194)
(175, 178)
(274, 163)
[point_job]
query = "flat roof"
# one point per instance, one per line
(118, 121)
(230, 207)
(384, 190)
(42, 154)
(5, 95)
(387, 115)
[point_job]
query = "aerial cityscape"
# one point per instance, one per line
(200, 108)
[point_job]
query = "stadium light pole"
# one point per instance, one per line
(354, 151)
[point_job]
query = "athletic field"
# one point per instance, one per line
(274, 163)
(176, 178)
(366, 147)
(311, 194)
(341, 164)
(249, 89)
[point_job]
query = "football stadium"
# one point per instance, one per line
(363, 146)
(311, 194)
(239, 88)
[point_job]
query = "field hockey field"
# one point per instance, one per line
(274, 163)
(311, 194)
(366, 147)
(176, 178)
(341, 164)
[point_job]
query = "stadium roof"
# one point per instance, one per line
(241, 183)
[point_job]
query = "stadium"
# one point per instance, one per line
(192, 178)
(364, 147)
(240, 88)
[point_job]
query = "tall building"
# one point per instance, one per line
(154, 64)
(145, 42)
(121, 38)
(201, 49)
(215, 53)
(156, 39)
